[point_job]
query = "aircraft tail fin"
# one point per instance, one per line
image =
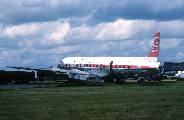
(155, 47)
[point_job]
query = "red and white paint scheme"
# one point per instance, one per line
(105, 65)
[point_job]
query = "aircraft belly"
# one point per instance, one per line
(106, 71)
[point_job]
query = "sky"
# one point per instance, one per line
(40, 33)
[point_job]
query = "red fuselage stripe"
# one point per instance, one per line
(106, 66)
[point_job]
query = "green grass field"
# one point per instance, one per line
(130, 101)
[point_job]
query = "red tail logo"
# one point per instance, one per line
(155, 47)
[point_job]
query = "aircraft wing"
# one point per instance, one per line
(39, 69)
(57, 72)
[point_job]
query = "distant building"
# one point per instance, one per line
(173, 66)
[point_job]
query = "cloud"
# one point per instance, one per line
(80, 33)
(39, 34)
(171, 28)
(179, 56)
(159, 10)
(60, 32)
(57, 37)
(25, 11)
(22, 30)
(162, 5)
(35, 57)
(56, 33)
(65, 49)
(123, 29)
(170, 43)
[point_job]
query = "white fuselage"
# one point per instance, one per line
(132, 62)
(103, 66)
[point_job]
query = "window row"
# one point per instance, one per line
(101, 66)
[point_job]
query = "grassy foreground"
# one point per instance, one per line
(149, 101)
